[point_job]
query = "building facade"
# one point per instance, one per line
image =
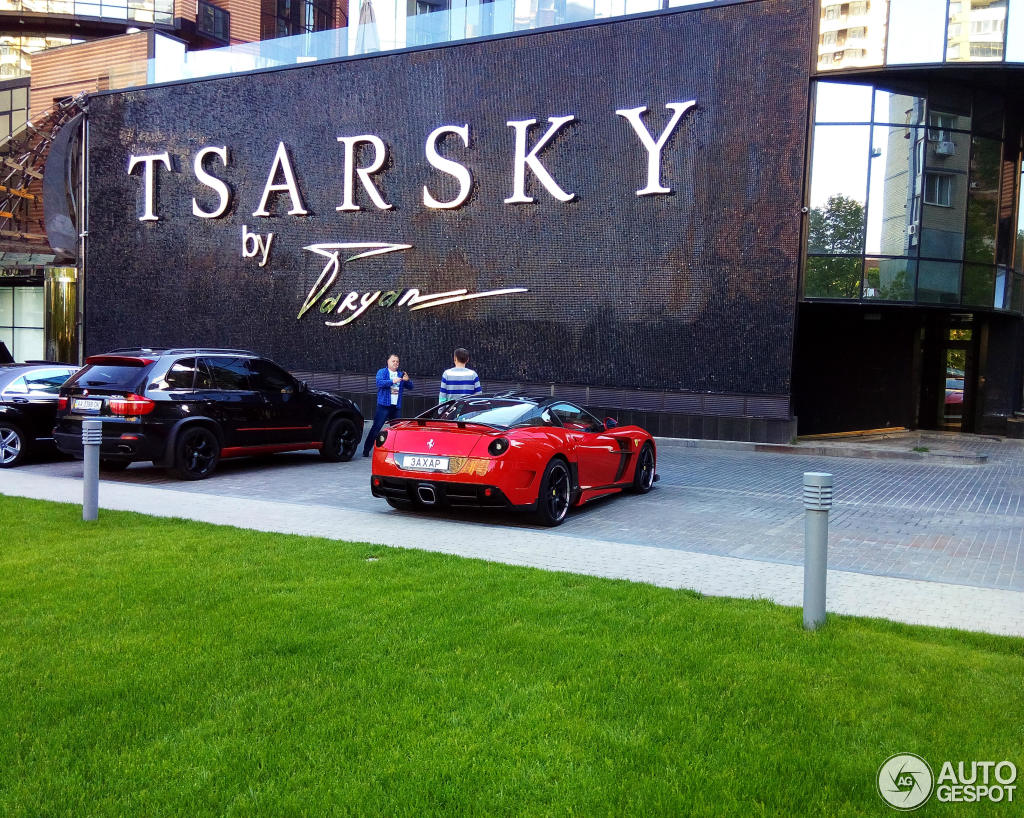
(766, 218)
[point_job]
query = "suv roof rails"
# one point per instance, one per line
(209, 350)
(178, 351)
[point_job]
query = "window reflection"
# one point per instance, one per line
(839, 166)
(938, 282)
(851, 34)
(832, 277)
(913, 32)
(976, 31)
(898, 108)
(842, 102)
(916, 31)
(946, 153)
(914, 207)
(893, 210)
(1018, 245)
(1015, 33)
(983, 201)
(979, 285)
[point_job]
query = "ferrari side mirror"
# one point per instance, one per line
(610, 423)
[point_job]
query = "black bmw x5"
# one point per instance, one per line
(185, 409)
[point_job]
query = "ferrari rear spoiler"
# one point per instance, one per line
(462, 424)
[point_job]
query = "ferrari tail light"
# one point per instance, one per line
(131, 405)
(62, 403)
(381, 437)
(498, 446)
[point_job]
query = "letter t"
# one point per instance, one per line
(150, 180)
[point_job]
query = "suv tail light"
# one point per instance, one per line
(62, 403)
(130, 405)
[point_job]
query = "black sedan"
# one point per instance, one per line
(28, 407)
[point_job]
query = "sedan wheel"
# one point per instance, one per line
(12, 445)
(555, 494)
(196, 454)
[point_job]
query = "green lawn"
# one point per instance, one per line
(151, 667)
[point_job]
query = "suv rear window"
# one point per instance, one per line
(111, 376)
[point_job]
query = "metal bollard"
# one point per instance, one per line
(92, 437)
(817, 502)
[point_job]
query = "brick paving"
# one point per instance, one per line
(914, 540)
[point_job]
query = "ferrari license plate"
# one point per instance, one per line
(421, 462)
(86, 405)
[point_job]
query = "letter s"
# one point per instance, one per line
(449, 166)
(212, 182)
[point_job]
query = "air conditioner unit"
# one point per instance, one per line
(911, 229)
(945, 148)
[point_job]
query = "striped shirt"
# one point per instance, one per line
(458, 382)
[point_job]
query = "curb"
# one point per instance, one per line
(944, 458)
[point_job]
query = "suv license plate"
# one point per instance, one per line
(84, 405)
(422, 463)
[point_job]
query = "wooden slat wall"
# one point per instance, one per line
(245, 19)
(185, 9)
(64, 72)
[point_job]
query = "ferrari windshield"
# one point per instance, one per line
(500, 412)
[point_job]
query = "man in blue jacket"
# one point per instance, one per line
(391, 383)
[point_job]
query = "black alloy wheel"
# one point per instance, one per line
(196, 453)
(13, 445)
(643, 477)
(340, 441)
(555, 494)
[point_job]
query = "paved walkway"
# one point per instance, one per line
(724, 521)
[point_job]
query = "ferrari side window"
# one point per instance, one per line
(536, 417)
(575, 419)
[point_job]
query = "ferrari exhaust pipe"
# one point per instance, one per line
(427, 495)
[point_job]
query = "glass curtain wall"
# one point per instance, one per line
(859, 33)
(21, 322)
(912, 198)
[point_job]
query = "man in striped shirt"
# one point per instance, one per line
(459, 381)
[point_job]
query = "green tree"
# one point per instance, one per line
(837, 228)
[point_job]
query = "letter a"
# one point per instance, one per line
(281, 161)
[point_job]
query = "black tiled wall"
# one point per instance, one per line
(693, 291)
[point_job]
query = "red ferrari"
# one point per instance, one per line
(534, 454)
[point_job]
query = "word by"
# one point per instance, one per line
(253, 244)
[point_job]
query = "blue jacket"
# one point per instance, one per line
(384, 387)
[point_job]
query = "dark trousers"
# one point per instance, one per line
(380, 417)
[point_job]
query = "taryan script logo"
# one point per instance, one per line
(905, 781)
(353, 304)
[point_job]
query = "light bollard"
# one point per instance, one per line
(92, 437)
(817, 502)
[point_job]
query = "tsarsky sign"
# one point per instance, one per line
(361, 160)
